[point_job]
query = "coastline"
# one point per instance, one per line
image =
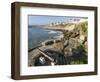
(72, 45)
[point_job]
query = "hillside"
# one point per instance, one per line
(73, 46)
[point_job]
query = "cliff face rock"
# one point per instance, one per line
(76, 37)
(73, 46)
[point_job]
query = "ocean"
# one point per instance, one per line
(36, 35)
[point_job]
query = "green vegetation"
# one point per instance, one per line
(84, 27)
(49, 43)
(77, 62)
(80, 57)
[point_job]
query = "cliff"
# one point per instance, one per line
(73, 46)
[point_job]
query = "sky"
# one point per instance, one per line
(43, 19)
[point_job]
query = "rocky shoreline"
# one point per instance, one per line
(73, 46)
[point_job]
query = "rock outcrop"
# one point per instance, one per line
(73, 46)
